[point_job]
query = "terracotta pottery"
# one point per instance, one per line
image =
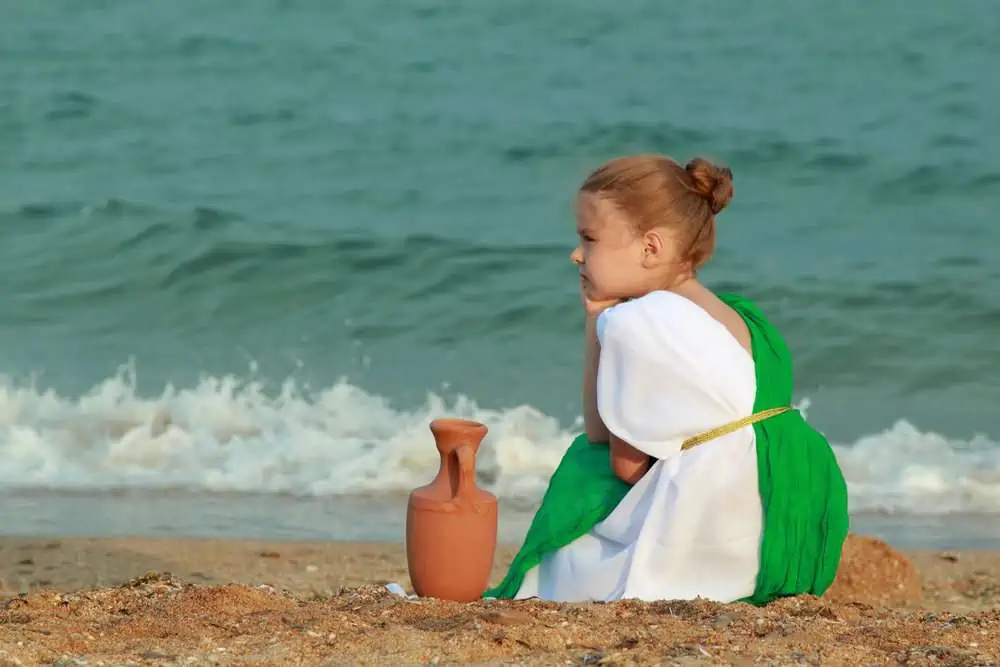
(451, 524)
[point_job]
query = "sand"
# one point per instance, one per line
(193, 602)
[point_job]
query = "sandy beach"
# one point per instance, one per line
(201, 601)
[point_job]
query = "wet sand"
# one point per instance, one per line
(190, 602)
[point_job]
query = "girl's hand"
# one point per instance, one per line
(594, 307)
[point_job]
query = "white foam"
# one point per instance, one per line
(225, 434)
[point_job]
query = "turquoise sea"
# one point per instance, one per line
(249, 249)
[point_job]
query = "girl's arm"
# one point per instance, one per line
(597, 432)
(628, 463)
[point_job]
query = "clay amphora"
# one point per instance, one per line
(451, 524)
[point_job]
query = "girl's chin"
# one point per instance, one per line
(595, 294)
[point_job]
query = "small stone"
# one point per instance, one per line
(762, 628)
(723, 621)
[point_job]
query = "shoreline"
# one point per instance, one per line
(234, 601)
(365, 518)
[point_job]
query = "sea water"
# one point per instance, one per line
(249, 250)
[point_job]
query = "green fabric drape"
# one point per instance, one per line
(802, 490)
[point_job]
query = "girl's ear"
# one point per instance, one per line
(654, 249)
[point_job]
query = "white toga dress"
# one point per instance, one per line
(691, 527)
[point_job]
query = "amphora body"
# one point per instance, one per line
(451, 524)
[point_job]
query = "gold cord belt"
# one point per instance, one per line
(726, 429)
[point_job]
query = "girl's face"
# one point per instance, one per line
(615, 261)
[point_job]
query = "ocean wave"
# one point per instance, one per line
(192, 250)
(231, 435)
(752, 149)
(207, 265)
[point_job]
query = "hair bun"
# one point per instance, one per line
(712, 183)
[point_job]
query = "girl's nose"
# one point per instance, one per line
(576, 256)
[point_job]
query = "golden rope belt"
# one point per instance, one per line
(726, 429)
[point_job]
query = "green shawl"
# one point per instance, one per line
(802, 490)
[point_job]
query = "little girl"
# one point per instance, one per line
(696, 477)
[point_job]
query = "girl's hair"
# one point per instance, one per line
(655, 190)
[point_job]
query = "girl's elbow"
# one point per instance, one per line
(627, 463)
(629, 472)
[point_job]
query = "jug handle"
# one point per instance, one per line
(466, 487)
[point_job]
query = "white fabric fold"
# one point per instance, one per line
(691, 527)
